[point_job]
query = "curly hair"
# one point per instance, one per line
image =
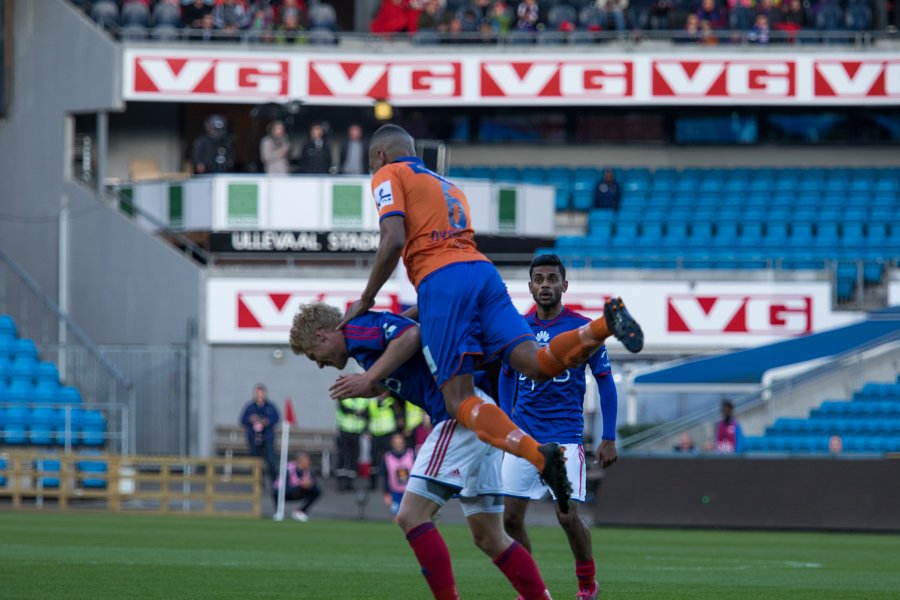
(309, 319)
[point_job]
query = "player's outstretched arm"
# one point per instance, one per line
(393, 238)
(606, 453)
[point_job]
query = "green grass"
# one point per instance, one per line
(71, 556)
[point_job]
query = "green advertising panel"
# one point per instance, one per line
(507, 210)
(243, 204)
(176, 206)
(346, 205)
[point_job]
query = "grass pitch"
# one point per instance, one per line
(72, 556)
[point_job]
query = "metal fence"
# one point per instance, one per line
(80, 362)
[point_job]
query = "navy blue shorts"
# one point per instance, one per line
(465, 311)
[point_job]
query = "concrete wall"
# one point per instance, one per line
(667, 156)
(61, 64)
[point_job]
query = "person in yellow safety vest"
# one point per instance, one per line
(352, 416)
(415, 417)
(384, 420)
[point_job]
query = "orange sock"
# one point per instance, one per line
(493, 427)
(572, 348)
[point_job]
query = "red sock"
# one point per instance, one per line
(434, 558)
(519, 567)
(585, 573)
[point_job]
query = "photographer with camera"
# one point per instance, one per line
(260, 417)
(213, 150)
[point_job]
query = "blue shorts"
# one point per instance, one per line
(465, 311)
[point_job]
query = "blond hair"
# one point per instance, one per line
(309, 319)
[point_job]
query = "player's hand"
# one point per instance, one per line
(356, 309)
(606, 454)
(356, 385)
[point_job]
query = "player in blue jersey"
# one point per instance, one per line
(452, 461)
(553, 412)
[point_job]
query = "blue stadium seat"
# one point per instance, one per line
(460, 171)
(776, 234)
(533, 174)
(852, 234)
(7, 327)
(506, 174)
(582, 200)
(676, 234)
(49, 470)
(24, 350)
(701, 234)
(46, 372)
(15, 426)
(68, 395)
(873, 272)
(651, 234)
(480, 172)
(3, 471)
(626, 234)
(726, 234)
(92, 472)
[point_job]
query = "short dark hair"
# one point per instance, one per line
(728, 403)
(547, 260)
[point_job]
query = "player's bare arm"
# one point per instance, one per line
(398, 351)
(606, 453)
(393, 238)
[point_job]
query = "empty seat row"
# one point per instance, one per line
(836, 426)
(42, 393)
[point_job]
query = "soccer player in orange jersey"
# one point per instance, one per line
(466, 315)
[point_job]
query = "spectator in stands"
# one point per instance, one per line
(615, 14)
(260, 417)
(231, 16)
(760, 32)
(354, 153)
(741, 14)
(660, 11)
(192, 13)
(262, 23)
(206, 32)
(770, 9)
(708, 36)
(316, 154)
(295, 7)
(729, 436)
(301, 485)
(710, 11)
(794, 17)
(691, 33)
(685, 444)
(527, 13)
(290, 29)
(392, 17)
(274, 150)
(607, 193)
(501, 19)
(482, 11)
(835, 445)
(435, 17)
(213, 150)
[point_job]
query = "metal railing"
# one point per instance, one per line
(748, 401)
(80, 361)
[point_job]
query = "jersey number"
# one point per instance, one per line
(455, 212)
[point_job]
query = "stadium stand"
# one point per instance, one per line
(559, 22)
(742, 218)
(868, 422)
(35, 409)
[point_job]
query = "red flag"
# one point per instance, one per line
(289, 412)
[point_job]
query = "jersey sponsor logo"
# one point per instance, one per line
(384, 195)
(747, 315)
(396, 80)
(542, 337)
(759, 79)
(274, 311)
(856, 78)
(389, 330)
(221, 77)
(554, 79)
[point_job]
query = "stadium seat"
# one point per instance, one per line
(49, 470)
(7, 327)
(68, 395)
(3, 471)
(24, 350)
(15, 426)
(91, 472)
(506, 174)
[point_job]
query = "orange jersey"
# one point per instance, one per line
(435, 212)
